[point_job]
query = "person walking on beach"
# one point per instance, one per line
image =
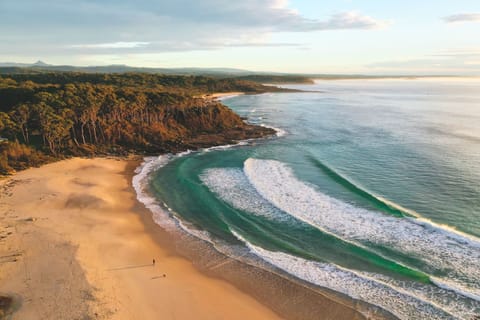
(153, 262)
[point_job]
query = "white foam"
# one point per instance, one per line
(419, 219)
(163, 215)
(229, 96)
(278, 132)
(233, 187)
(181, 154)
(226, 146)
(356, 285)
(449, 300)
(457, 258)
(141, 182)
(393, 295)
(142, 178)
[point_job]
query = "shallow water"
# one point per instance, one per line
(374, 191)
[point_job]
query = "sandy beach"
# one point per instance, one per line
(73, 246)
(76, 244)
(221, 95)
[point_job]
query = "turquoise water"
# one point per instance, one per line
(372, 190)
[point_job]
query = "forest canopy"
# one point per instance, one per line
(46, 116)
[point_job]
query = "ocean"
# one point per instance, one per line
(371, 188)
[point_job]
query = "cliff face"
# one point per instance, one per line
(199, 125)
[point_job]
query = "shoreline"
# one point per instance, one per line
(253, 276)
(218, 96)
(256, 287)
(81, 244)
(75, 244)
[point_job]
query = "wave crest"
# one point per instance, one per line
(440, 252)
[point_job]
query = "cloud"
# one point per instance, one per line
(462, 17)
(112, 45)
(348, 20)
(68, 26)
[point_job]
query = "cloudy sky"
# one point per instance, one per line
(318, 36)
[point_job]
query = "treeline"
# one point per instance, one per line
(51, 115)
(186, 84)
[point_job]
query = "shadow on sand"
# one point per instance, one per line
(131, 267)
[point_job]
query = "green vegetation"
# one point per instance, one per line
(47, 116)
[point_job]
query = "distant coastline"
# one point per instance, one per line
(216, 73)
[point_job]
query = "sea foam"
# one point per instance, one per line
(141, 182)
(361, 286)
(233, 187)
(443, 253)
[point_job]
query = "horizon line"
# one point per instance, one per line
(40, 63)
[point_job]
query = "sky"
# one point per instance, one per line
(299, 36)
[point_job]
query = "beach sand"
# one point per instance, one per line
(76, 244)
(220, 95)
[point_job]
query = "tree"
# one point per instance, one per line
(97, 113)
(54, 128)
(8, 128)
(21, 115)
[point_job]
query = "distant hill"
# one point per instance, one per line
(40, 66)
(39, 63)
(255, 76)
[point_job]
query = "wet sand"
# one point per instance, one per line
(75, 244)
